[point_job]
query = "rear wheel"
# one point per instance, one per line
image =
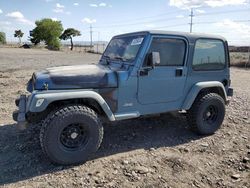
(71, 134)
(207, 113)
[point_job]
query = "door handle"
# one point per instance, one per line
(179, 72)
(143, 72)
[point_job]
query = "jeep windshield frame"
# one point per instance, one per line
(124, 48)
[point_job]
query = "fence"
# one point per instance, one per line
(96, 48)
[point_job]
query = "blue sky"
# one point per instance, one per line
(230, 18)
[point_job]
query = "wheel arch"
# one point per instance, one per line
(201, 88)
(58, 98)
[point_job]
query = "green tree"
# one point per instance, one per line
(69, 34)
(48, 31)
(2, 38)
(19, 35)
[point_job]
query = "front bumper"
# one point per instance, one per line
(20, 115)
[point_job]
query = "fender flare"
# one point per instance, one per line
(193, 93)
(51, 96)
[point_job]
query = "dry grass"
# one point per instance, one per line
(240, 59)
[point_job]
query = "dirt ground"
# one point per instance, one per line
(148, 152)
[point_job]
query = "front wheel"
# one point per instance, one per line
(207, 113)
(71, 134)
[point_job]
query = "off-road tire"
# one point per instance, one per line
(57, 122)
(195, 115)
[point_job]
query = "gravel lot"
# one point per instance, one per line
(148, 152)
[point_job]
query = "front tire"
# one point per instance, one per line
(71, 134)
(207, 113)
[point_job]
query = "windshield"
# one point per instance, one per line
(124, 48)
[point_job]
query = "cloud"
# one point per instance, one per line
(5, 23)
(58, 5)
(220, 3)
(102, 5)
(240, 28)
(93, 5)
(19, 17)
(187, 4)
(237, 33)
(54, 19)
(1, 11)
(16, 15)
(6, 28)
(76, 4)
(180, 16)
(200, 11)
(60, 9)
(88, 20)
(56, 10)
(150, 25)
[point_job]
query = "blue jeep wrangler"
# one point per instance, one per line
(143, 73)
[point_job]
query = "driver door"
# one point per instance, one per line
(164, 82)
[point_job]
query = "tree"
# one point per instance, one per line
(69, 34)
(19, 35)
(48, 31)
(2, 38)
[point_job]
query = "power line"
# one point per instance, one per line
(223, 12)
(212, 22)
(164, 20)
(184, 24)
(137, 23)
(170, 26)
(196, 23)
(150, 17)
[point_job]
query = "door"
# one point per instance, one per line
(165, 82)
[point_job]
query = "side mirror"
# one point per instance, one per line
(154, 59)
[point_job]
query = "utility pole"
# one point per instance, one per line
(103, 48)
(98, 42)
(91, 36)
(191, 20)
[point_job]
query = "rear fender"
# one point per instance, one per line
(195, 90)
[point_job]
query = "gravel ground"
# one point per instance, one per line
(148, 152)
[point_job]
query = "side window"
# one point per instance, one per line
(172, 51)
(209, 54)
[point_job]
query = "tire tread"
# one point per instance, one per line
(62, 112)
(193, 112)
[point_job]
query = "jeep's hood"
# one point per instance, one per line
(75, 77)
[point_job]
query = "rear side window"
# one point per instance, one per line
(172, 51)
(209, 54)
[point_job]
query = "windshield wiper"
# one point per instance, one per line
(107, 59)
(120, 58)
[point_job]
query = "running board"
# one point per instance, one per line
(123, 116)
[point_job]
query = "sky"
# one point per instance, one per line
(229, 18)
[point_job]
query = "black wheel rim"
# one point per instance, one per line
(74, 136)
(210, 115)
